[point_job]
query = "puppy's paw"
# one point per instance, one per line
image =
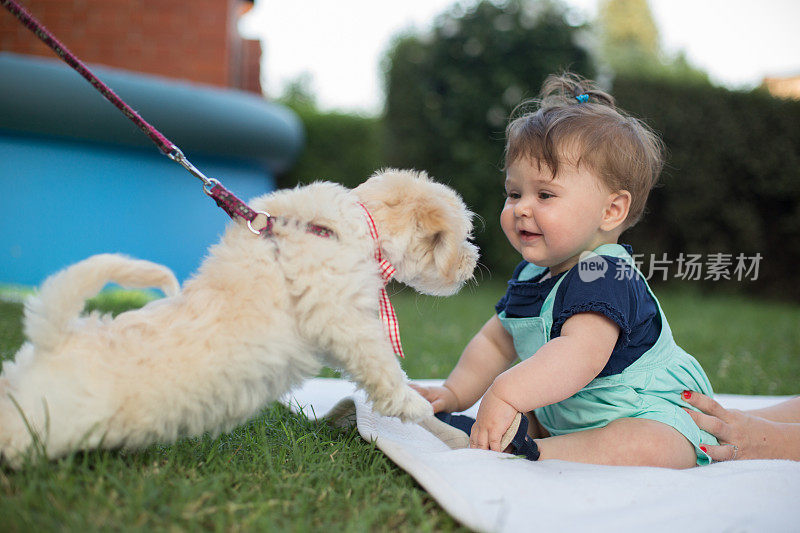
(415, 407)
(14, 448)
(12, 460)
(407, 404)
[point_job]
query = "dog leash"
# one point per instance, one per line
(229, 202)
(212, 187)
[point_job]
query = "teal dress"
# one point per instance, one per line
(650, 387)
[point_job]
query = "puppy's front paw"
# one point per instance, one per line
(408, 405)
(415, 407)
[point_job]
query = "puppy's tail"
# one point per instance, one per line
(62, 296)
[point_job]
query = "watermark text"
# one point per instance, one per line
(687, 267)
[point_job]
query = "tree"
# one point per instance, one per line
(630, 44)
(629, 34)
(339, 147)
(450, 94)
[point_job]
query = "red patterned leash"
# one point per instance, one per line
(213, 188)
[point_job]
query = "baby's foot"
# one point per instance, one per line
(454, 431)
(516, 440)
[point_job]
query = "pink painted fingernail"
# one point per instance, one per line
(687, 394)
(705, 450)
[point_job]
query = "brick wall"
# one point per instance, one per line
(194, 41)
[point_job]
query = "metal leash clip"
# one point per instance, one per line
(267, 226)
(177, 156)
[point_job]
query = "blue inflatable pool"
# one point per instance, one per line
(78, 178)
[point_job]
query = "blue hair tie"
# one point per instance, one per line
(582, 98)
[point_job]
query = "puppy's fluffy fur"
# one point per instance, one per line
(259, 317)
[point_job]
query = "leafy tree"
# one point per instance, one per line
(732, 180)
(339, 147)
(629, 34)
(450, 94)
(298, 93)
(630, 44)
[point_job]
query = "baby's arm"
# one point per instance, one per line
(488, 354)
(555, 372)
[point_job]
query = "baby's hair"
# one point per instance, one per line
(575, 122)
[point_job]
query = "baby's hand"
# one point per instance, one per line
(494, 418)
(441, 398)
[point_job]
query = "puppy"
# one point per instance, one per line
(263, 313)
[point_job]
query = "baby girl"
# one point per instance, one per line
(600, 376)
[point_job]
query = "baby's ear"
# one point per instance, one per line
(618, 206)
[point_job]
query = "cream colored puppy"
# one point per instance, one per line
(261, 315)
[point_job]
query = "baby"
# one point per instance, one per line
(600, 376)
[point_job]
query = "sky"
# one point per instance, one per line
(339, 45)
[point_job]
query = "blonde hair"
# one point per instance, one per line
(576, 122)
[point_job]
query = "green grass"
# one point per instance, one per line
(279, 472)
(284, 472)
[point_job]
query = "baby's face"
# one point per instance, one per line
(551, 221)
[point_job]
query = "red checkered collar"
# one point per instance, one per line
(388, 316)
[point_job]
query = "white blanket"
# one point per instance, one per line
(490, 491)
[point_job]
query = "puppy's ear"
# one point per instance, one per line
(431, 219)
(434, 225)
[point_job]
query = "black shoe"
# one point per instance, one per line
(521, 444)
(462, 422)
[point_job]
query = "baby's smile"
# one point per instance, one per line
(528, 236)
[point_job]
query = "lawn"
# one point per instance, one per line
(282, 471)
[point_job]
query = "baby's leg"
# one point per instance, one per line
(626, 441)
(535, 428)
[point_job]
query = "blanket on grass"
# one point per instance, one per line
(494, 492)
